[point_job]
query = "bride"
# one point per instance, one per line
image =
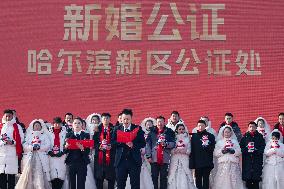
(35, 162)
(180, 176)
(227, 151)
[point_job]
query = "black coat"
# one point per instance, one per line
(201, 157)
(77, 156)
(101, 169)
(252, 162)
(122, 149)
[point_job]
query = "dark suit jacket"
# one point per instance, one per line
(122, 149)
(77, 156)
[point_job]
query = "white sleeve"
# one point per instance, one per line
(27, 145)
(188, 151)
(45, 143)
(237, 149)
(2, 143)
(280, 151)
(268, 151)
(218, 150)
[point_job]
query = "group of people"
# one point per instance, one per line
(76, 153)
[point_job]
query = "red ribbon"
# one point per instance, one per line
(160, 150)
(56, 137)
(17, 138)
(101, 153)
(281, 129)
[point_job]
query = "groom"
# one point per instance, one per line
(128, 159)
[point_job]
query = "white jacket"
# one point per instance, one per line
(8, 156)
(173, 127)
(222, 158)
(57, 164)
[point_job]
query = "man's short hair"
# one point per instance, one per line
(8, 111)
(229, 114)
(161, 117)
(175, 112)
(106, 114)
(127, 112)
(57, 120)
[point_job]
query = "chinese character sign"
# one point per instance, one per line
(200, 58)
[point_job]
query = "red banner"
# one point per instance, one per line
(199, 58)
(72, 143)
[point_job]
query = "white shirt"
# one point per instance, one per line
(129, 127)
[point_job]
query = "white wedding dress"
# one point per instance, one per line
(180, 176)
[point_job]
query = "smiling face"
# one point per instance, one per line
(160, 123)
(174, 118)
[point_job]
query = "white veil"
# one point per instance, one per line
(90, 126)
(220, 134)
(144, 122)
(43, 127)
(266, 125)
(275, 130)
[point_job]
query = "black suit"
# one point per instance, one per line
(77, 162)
(104, 171)
(201, 158)
(128, 160)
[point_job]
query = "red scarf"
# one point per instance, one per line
(101, 153)
(281, 129)
(17, 138)
(160, 150)
(252, 134)
(56, 137)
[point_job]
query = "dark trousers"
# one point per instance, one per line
(100, 183)
(202, 177)
(125, 167)
(252, 184)
(57, 183)
(161, 170)
(78, 170)
(7, 181)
